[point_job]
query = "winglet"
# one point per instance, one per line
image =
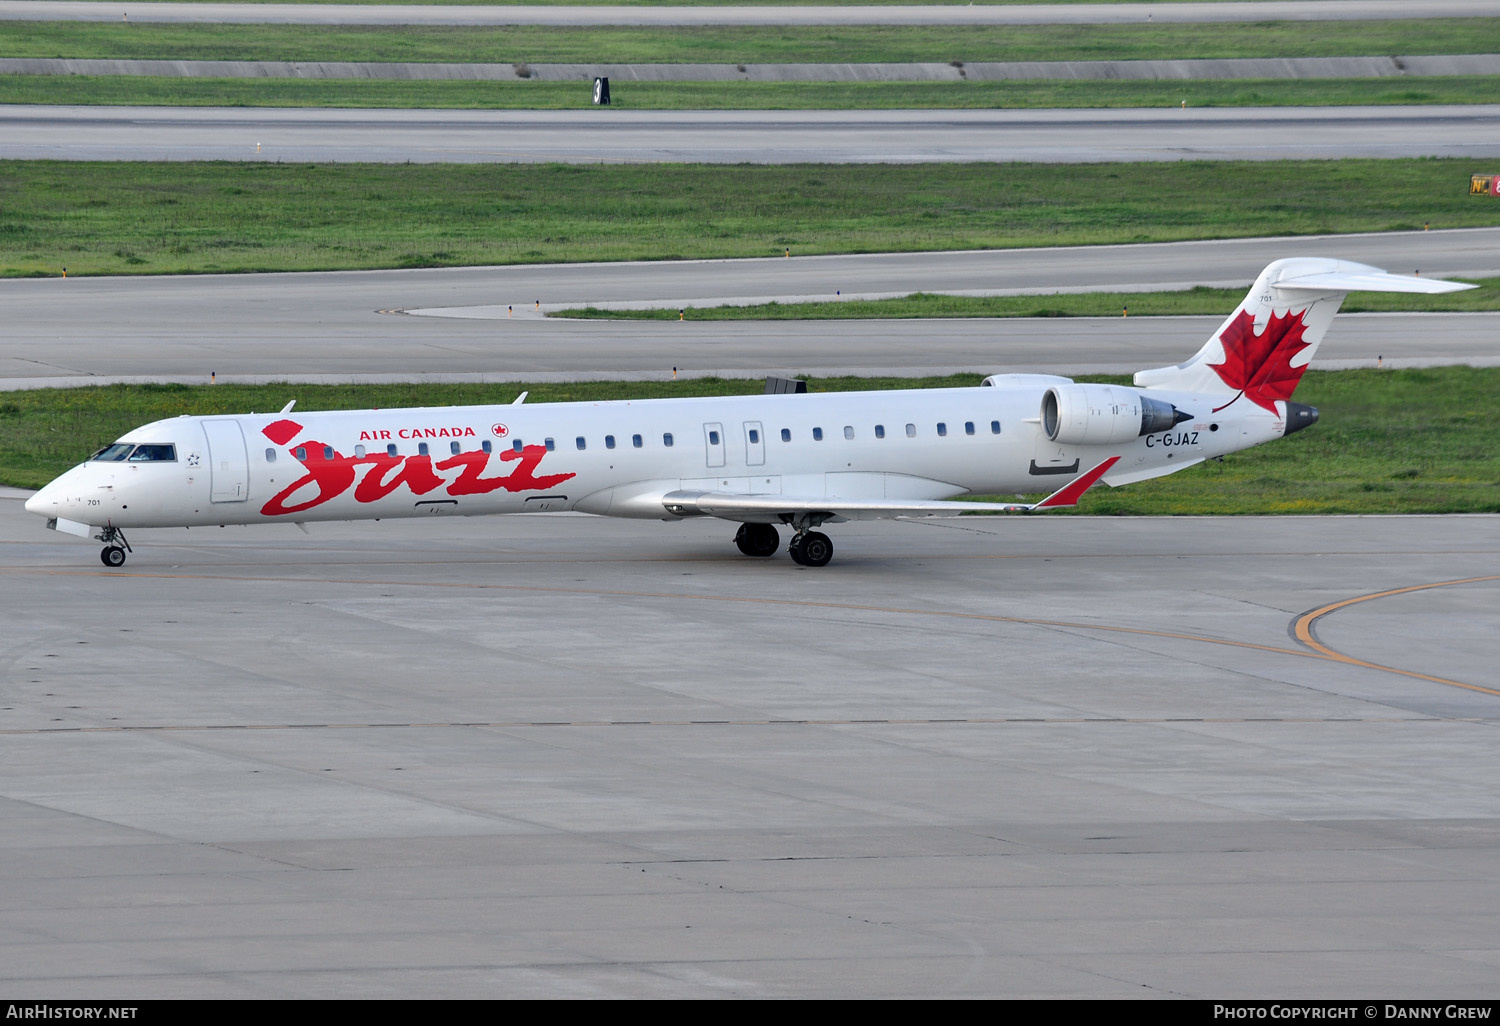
(1068, 495)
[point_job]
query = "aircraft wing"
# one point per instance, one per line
(768, 508)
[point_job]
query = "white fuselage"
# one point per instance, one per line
(614, 458)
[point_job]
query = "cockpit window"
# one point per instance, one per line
(113, 453)
(154, 454)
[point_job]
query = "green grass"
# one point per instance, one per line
(154, 218)
(1410, 441)
(518, 94)
(747, 44)
(1188, 302)
(1414, 441)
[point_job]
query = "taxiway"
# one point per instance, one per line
(609, 135)
(480, 323)
(1040, 757)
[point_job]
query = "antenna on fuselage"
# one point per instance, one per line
(520, 399)
(288, 407)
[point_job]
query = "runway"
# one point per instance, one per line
(330, 327)
(614, 135)
(1039, 757)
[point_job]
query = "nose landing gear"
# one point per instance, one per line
(113, 554)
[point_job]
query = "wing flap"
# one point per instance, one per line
(772, 508)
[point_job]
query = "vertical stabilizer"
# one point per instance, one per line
(1261, 351)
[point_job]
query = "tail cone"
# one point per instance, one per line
(1299, 416)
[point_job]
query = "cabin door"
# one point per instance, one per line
(228, 464)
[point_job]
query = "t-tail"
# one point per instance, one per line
(1259, 353)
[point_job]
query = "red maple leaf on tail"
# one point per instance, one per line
(1260, 365)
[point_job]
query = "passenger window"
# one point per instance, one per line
(421, 448)
(301, 453)
(516, 445)
(328, 452)
(848, 432)
(550, 444)
(786, 434)
(713, 438)
(359, 451)
(994, 427)
(911, 431)
(968, 427)
(485, 445)
(391, 450)
(666, 439)
(270, 455)
(879, 430)
(942, 430)
(754, 437)
(581, 443)
(817, 434)
(453, 447)
(635, 440)
(609, 441)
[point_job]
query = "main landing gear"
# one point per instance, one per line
(757, 540)
(808, 548)
(113, 554)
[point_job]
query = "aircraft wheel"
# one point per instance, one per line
(112, 556)
(811, 549)
(817, 549)
(757, 540)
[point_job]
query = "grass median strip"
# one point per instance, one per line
(194, 217)
(1394, 441)
(147, 91)
(747, 44)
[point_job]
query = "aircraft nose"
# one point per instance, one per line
(44, 503)
(52, 500)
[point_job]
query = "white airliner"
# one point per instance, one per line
(764, 461)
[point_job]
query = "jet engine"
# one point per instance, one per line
(1077, 414)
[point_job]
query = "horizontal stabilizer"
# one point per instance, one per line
(1370, 280)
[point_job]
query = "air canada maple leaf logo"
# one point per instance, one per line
(1260, 365)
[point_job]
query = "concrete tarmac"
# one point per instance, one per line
(615, 135)
(567, 757)
(483, 324)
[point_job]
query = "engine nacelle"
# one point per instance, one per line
(1024, 380)
(1077, 414)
